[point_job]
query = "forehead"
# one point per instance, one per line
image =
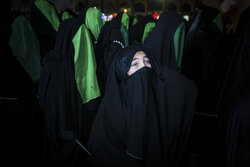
(140, 54)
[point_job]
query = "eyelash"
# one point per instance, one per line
(134, 64)
(147, 61)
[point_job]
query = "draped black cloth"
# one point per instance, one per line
(203, 58)
(136, 31)
(238, 134)
(233, 105)
(21, 116)
(44, 30)
(81, 18)
(202, 62)
(69, 11)
(110, 40)
(67, 119)
(110, 32)
(94, 104)
(161, 43)
(237, 78)
(144, 119)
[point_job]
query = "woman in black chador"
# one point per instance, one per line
(67, 85)
(232, 135)
(166, 41)
(145, 116)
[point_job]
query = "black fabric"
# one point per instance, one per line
(93, 104)
(67, 120)
(97, 47)
(45, 32)
(233, 104)
(73, 14)
(144, 119)
(237, 78)
(202, 62)
(161, 43)
(81, 18)
(106, 48)
(109, 33)
(203, 59)
(238, 134)
(136, 32)
(21, 116)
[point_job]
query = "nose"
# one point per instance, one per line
(142, 64)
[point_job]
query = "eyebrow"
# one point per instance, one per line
(143, 58)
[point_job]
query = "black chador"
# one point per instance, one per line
(203, 59)
(232, 135)
(166, 41)
(110, 40)
(136, 32)
(68, 82)
(202, 63)
(21, 116)
(45, 21)
(144, 118)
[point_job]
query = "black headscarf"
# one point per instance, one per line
(144, 119)
(161, 40)
(67, 119)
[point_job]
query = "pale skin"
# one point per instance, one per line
(139, 61)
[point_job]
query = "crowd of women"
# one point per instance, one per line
(78, 91)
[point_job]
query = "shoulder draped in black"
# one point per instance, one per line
(232, 134)
(21, 116)
(44, 30)
(144, 119)
(67, 120)
(136, 32)
(161, 43)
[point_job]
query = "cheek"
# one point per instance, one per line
(148, 65)
(131, 70)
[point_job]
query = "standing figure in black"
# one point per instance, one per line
(145, 116)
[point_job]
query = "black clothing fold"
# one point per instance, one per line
(160, 42)
(21, 115)
(136, 31)
(233, 104)
(67, 119)
(144, 119)
(44, 30)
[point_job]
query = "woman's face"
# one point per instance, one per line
(140, 60)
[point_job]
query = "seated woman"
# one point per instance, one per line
(145, 116)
